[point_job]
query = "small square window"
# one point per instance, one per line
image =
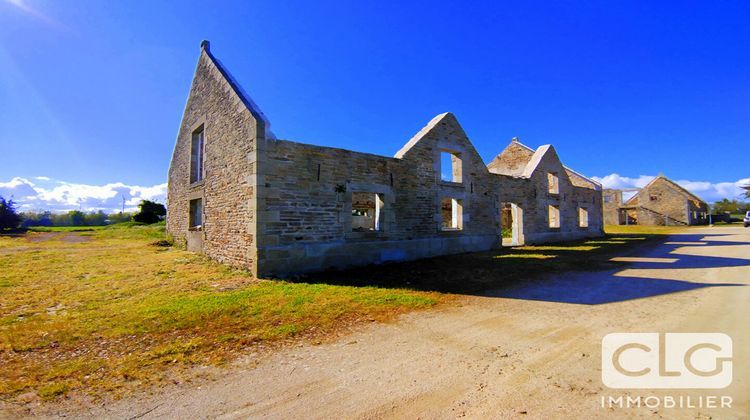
(553, 183)
(451, 211)
(583, 217)
(196, 213)
(608, 198)
(450, 166)
(554, 216)
(653, 198)
(367, 211)
(197, 155)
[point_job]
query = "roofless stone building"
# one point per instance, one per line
(277, 207)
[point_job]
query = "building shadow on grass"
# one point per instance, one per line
(581, 272)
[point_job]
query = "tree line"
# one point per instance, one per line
(149, 212)
(730, 206)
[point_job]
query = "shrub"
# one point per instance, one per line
(9, 219)
(150, 212)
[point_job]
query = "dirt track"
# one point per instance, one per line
(530, 351)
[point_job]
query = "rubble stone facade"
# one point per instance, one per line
(661, 202)
(280, 207)
(612, 203)
(523, 174)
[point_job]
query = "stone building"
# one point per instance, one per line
(661, 202)
(612, 204)
(244, 197)
(546, 200)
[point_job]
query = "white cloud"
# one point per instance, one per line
(708, 191)
(55, 195)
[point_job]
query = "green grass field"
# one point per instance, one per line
(106, 310)
(67, 228)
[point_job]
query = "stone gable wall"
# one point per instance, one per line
(533, 196)
(512, 160)
(669, 202)
(227, 188)
(671, 206)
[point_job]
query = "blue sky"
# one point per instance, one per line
(91, 92)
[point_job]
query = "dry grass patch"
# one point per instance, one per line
(117, 312)
(532, 256)
(646, 230)
(576, 248)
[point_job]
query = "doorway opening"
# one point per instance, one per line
(628, 216)
(511, 224)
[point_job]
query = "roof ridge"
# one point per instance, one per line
(422, 132)
(583, 176)
(536, 159)
(238, 90)
(679, 187)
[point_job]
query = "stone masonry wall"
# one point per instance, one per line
(278, 207)
(661, 202)
(611, 209)
(512, 161)
(227, 189)
(533, 197)
(306, 224)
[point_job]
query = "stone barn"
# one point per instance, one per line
(662, 202)
(241, 196)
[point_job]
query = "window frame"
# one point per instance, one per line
(380, 207)
(198, 159)
(553, 183)
(558, 219)
(456, 166)
(583, 211)
(457, 215)
(192, 214)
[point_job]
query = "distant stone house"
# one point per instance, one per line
(241, 196)
(661, 202)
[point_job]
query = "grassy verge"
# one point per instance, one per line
(104, 311)
(646, 230)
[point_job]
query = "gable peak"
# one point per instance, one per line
(445, 118)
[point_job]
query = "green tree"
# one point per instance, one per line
(77, 218)
(9, 219)
(32, 218)
(119, 217)
(726, 206)
(98, 218)
(150, 212)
